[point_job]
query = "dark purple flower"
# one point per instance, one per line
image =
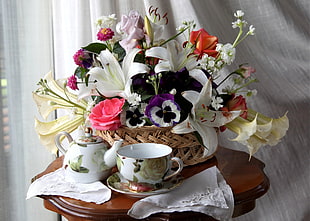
(163, 111)
(83, 59)
(180, 80)
(140, 85)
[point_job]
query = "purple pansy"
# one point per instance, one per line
(163, 111)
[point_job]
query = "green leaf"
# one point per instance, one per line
(140, 58)
(83, 170)
(74, 166)
(95, 47)
(119, 50)
(81, 72)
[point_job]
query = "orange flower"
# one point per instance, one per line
(204, 43)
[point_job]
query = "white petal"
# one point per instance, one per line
(199, 75)
(157, 52)
(208, 135)
(137, 68)
(183, 128)
(205, 95)
(215, 118)
(162, 66)
(112, 69)
(128, 61)
(191, 96)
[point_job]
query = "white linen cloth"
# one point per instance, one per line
(54, 183)
(206, 192)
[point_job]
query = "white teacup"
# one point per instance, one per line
(147, 163)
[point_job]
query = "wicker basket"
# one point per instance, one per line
(185, 146)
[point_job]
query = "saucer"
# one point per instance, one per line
(119, 184)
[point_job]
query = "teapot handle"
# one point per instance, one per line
(60, 147)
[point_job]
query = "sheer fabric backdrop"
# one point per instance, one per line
(25, 57)
(279, 51)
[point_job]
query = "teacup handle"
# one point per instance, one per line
(180, 167)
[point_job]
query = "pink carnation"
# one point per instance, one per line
(72, 83)
(106, 114)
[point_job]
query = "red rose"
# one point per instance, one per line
(105, 115)
(234, 104)
(204, 43)
(238, 103)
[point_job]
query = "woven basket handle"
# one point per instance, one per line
(180, 168)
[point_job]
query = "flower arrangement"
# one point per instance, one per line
(132, 77)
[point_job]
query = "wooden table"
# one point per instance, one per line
(246, 178)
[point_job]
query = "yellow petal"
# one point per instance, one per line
(244, 128)
(45, 104)
(148, 28)
(254, 143)
(278, 130)
(48, 130)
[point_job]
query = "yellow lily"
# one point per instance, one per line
(53, 95)
(258, 130)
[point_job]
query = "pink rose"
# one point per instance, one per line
(106, 114)
(132, 25)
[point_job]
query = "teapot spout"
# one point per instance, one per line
(110, 155)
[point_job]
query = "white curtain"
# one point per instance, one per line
(279, 51)
(25, 54)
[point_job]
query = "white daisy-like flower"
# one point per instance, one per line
(216, 102)
(239, 14)
(134, 99)
(239, 23)
(227, 52)
(251, 30)
(106, 21)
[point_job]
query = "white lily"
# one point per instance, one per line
(51, 96)
(203, 120)
(174, 58)
(113, 79)
(258, 130)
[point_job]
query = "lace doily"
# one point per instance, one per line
(55, 184)
(206, 192)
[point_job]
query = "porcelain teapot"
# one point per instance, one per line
(87, 159)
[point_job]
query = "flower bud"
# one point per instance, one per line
(148, 28)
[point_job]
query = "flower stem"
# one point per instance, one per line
(173, 37)
(246, 84)
(64, 99)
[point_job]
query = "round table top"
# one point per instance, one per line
(246, 178)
